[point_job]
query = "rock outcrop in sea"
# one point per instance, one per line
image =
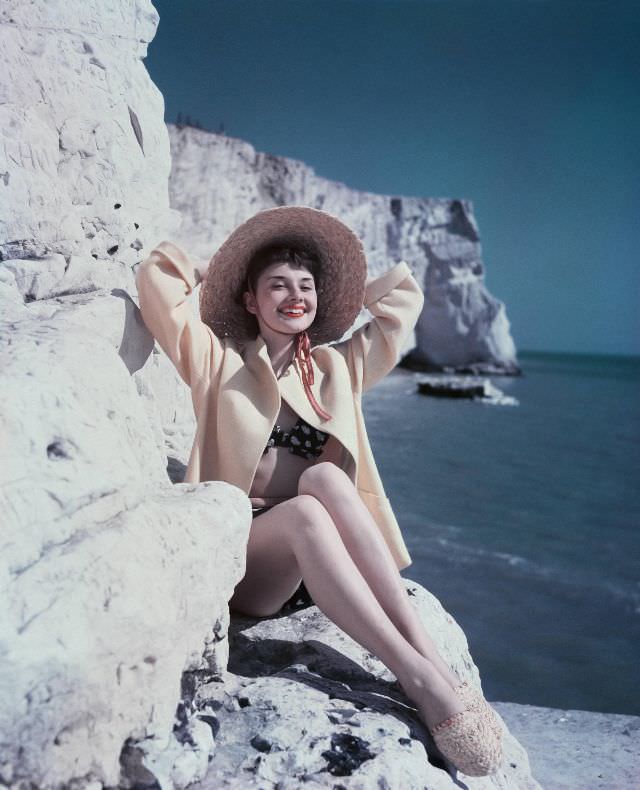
(115, 630)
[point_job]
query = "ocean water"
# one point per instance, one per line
(525, 522)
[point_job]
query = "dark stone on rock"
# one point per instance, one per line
(212, 721)
(347, 753)
(260, 744)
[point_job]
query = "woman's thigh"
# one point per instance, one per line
(272, 574)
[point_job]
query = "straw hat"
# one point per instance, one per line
(343, 271)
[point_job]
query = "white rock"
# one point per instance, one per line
(102, 601)
(85, 152)
(36, 279)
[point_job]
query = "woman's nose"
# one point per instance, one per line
(296, 292)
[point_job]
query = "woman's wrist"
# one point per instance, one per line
(200, 269)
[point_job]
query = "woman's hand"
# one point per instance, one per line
(200, 268)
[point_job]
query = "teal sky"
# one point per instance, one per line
(529, 109)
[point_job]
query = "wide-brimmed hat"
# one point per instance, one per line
(343, 271)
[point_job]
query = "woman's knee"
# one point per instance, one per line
(306, 512)
(308, 508)
(325, 476)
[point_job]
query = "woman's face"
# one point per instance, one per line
(285, 300)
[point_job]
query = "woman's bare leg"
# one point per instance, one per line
(272, 574)
(300, 532)
(364, 542)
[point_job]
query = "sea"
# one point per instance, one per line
(524, 521)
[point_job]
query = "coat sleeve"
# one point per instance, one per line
(395, 300)
(165, 280)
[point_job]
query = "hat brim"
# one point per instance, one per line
(343, 267)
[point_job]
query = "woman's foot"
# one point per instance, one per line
(432, 695)
(461, 722)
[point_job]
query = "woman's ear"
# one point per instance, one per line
(250, 302)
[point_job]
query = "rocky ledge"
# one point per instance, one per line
(303, 704)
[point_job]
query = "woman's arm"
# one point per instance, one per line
(165, 280)
(395, 300)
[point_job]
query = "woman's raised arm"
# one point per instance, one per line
(395, 300)
(165, 280)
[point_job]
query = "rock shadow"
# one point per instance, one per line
(137, 342)
(325, 669)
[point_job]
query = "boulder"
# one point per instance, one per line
(112, 582)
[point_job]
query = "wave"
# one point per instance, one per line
(450, 549)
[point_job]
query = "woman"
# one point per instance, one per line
(283, 421)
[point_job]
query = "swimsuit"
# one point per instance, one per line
(307, 442)
(303, 439)
(257, 509)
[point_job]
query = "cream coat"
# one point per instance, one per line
(236, 395)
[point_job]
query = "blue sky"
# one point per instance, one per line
(529, 109)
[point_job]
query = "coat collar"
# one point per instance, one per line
(289, 386)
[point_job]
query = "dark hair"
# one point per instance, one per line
(295, 255)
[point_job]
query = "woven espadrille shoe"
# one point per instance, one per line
(473, 699)
(469, 742)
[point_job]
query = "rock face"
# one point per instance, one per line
(112, 582)
(85, 156)
(305, 705)
(217, 182)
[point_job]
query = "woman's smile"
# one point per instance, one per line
(293, 312)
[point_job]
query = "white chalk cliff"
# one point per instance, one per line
(114, 582)
(216, 182)
(84, 158)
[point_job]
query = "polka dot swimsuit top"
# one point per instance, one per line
(302, 439)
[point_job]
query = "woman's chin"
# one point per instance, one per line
(290, 326)
(296, 325)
